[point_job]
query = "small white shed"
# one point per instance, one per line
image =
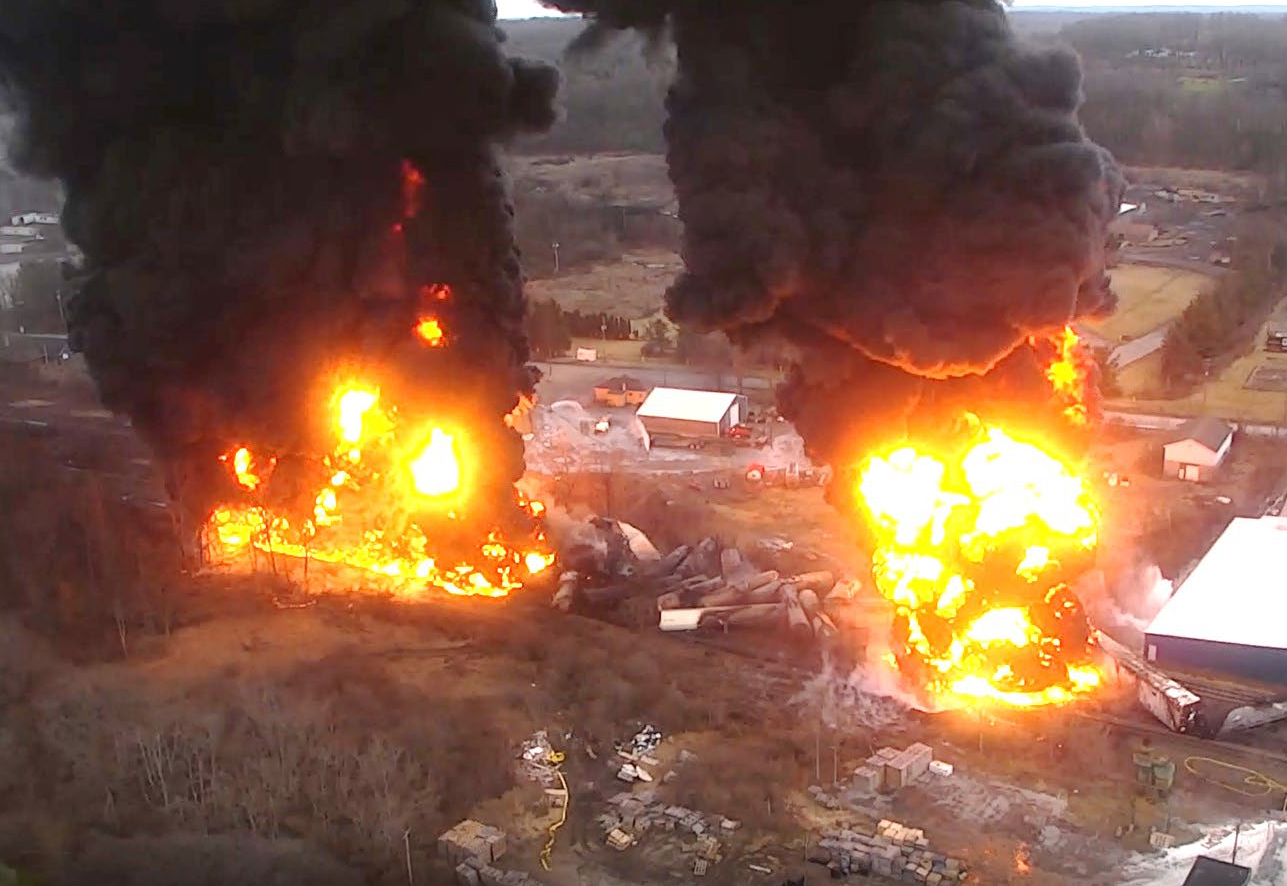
(1196, 449)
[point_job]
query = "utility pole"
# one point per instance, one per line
(817, 753)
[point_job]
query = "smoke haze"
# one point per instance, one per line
(901, 190)
(239, 176)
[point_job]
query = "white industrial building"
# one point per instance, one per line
(688, 413)
(1230, 615)
(1196, 449)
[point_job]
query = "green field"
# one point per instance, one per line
(1147, 297)
(1225, 395)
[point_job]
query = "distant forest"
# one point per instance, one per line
(613, 98)
(1205, 91)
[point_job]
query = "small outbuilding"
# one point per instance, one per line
(1228, 616)
(1196, 449)
(688, 413)
(621, 390)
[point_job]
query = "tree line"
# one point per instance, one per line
(551, 328)
(1220, 324)
(1206, 91)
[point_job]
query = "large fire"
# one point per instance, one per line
(1069, 377)
(365, 501)
(379, 475)
(975, 542)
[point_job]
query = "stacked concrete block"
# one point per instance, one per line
(921, 755)
(476, 872)
(868, 778)
(907, 766)
(893, 851)
(619, 839)
(472, 839)
(631, 811)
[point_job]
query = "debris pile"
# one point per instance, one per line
(892, 850)
(701, 586)
(636, 753)
(645, 741)
(534, 759)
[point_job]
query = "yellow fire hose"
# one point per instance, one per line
(555, 760)
(1251, 783)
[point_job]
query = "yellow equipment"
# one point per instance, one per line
(555, 759)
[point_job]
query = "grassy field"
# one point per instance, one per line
(1225, 395)
(632, 287)
(1147, 298)
(612, 351)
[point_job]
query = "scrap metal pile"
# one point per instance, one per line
(701, 586)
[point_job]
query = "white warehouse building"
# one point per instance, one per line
(687, 413)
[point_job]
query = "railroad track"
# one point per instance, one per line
(1207, 744)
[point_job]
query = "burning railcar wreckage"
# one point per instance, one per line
(300, 279)
(902, 192)
(301, 286)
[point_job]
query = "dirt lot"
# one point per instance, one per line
(632, 287)
(619, 178)
(254, 735)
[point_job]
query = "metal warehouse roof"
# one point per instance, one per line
(1235, 594)
(1207, 871)
(685, 404)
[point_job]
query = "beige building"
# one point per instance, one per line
(1197, 449)
(621, 390)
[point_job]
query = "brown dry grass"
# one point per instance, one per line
(75, 562)
(632, 286)
(1148, 297)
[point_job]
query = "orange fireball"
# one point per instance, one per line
(974, 548)
(429, 331)
(366, 487)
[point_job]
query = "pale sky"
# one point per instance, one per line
(531, 8)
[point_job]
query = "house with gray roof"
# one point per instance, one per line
(1196, 449)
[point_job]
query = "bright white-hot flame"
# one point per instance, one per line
(352, 406)
(436, 470)
(1002, 626)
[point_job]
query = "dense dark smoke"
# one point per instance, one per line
(900, 189)
(242, 177)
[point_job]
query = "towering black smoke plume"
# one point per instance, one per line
(265, 191)
(899, 188)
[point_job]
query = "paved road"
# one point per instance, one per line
(1154, 257)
